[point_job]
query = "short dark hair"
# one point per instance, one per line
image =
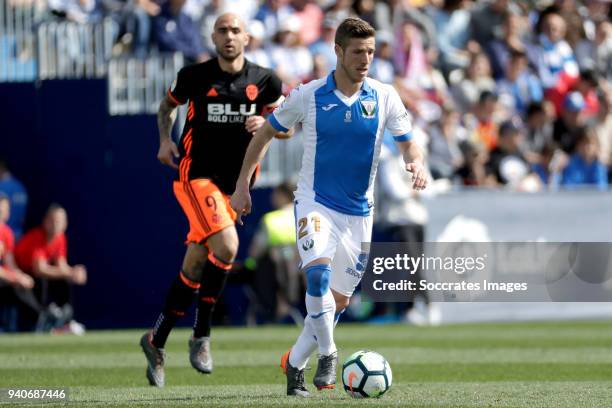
(515, 53)
(54, 207)
(535, 108)
(353, 27)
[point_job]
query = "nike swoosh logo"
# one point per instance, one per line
(330, 106)
(351, 377)
(316, 316)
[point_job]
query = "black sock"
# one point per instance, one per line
(180, 296)
(213, 282)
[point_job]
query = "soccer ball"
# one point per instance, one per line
(366, 374)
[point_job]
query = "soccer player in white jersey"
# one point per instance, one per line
(343, 117)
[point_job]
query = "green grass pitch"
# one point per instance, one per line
(566, 364)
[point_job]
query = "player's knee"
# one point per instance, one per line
(224, 245)
(317, 279)
(226, 252)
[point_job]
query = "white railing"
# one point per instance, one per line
(68, 50)
(282, 162)
(135, 86)
(17, 42)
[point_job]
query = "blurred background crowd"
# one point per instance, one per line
(503, 92)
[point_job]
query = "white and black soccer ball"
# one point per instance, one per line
(366, 374)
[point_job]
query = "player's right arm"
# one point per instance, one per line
(165, 121)
(178, 94)
(241, 199)
(288, 114)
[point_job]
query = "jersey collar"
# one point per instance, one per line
(330, 85)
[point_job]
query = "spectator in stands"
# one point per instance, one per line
(366, 10)
(538, 131)
(482, 124)
(174, 30)
(445, 157)
(417, 12)
(603, 128)
(255, 52)
(271, 13)
(568, 11)
(311, 17)
(15, 286)
(272, 255)
(596, 54)
(566, 127)
(584, 167)
(42, 253)
(452, 22)
(487, 20)
(506, 161)
(210, 14)
(474, 171)
(513, 38)
(292, 60)
(339, 10)
(139, 25)
(557, 66)
(9, 272)
(18, 197)
(587, 85)
(476, 79)
(421, 87)
(324, 46)
(519, 88)
(381, 68)
(549, 167)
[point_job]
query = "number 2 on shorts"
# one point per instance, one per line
(303, 223)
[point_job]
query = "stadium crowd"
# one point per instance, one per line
(503, 92)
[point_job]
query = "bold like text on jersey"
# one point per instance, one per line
(223, 112)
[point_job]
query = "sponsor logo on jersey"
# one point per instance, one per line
(308, 244)
(368, 109)
(252, 91)
(330, 106)
(225, 113)
(212, 93)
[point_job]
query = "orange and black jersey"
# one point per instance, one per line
(214, 139)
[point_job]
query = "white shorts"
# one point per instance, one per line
(325, 233)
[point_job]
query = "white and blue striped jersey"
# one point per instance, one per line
(342, 139)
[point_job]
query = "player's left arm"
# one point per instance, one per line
(415, 163)
(399, 124)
